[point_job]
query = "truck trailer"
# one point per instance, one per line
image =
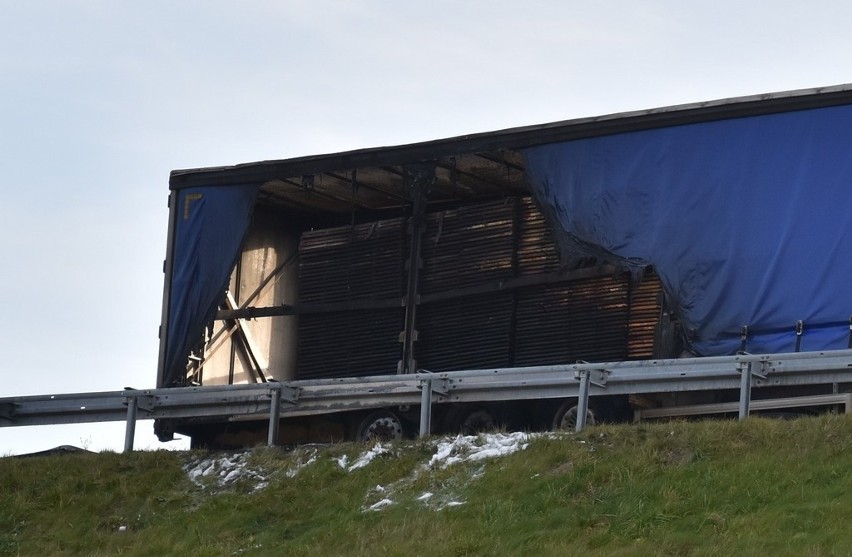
(658, 262)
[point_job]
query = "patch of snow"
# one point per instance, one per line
(473, 448)
(232, 476)
(343, 461)
(367, 457)
(447, 452)
(380, 505)
(219, 472)
(299, 465)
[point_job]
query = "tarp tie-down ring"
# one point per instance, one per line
(800, 328)
(744, 338)
(850, 331)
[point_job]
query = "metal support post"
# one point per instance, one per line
(745, 389)
(130, 431)
(417, 179)
(426, 408)
(274, 414)
(583, 401)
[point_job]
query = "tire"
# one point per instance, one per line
(380, 426)
(565, 418)
(477, 420)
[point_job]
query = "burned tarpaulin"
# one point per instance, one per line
(748, 221)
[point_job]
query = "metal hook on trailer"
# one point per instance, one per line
(800, 328)
(850, 332)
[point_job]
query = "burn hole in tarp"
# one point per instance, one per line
(491, 294)
(747, 220)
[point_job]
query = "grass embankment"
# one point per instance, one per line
(761, 487)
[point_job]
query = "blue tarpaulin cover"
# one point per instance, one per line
(748, 221)
(209, 229)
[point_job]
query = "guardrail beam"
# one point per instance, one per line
(322, 396)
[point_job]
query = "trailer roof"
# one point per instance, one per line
(470, 166)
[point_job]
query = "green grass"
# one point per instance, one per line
(761, 487)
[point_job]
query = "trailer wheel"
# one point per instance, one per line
(379, 426)
(565, 418)
(477, 420)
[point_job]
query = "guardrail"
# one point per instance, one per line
(275, 400)
(841, 399)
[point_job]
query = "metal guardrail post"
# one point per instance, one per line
(745, 389)
(274, 413)
(583, 400)
(425, 407)
(130, 431)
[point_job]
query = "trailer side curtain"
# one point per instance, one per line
(209, 229)
(748, 221)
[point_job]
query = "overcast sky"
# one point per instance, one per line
(99, 100)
